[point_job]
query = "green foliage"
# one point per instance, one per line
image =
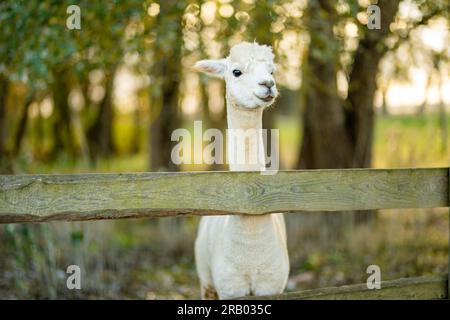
(34, 39)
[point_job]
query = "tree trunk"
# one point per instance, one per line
(384, 107)
(325, 141)
(209, 120)
(363, 85)
(360, 116)
(100, 135)
(21, 128)
(63, 139)
(5, 163)
(167, 119)
(217, 120)
(3, 97)
(442, 115)
(165, 113)
(38, 136)
(136, 135)
(423, 106)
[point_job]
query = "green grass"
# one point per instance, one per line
(410, 141)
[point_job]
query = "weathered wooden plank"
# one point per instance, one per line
(421, 288)
(36, 198)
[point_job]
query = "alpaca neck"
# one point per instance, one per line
(246, 153)
(249, 120)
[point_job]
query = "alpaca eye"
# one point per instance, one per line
(237, 73)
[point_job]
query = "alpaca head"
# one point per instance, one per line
(248, 74)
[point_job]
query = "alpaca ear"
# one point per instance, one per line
(215, 68)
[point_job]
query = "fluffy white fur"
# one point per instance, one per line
(243, 255)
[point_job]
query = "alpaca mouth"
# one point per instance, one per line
(266, 98)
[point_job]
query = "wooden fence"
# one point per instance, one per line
(40, 198)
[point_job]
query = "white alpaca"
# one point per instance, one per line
(243, 255)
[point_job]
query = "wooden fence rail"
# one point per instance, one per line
(418, 288)
(39, 198)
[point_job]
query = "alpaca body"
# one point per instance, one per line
(243, 255)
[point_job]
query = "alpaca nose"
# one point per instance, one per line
(267, 83)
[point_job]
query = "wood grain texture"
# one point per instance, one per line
(421, 288)
(37, 198)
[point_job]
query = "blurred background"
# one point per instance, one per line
(106, 98)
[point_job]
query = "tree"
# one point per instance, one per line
(5, 166)
(105, 42)
(337, 134)
(166, 74)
